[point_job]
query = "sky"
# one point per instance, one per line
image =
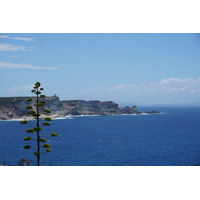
(148, 68)
(125, 68)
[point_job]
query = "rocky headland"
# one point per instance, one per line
(15, 108)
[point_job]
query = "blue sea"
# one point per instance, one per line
(171, 138)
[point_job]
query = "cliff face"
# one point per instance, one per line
(81, 107)
(15, 107)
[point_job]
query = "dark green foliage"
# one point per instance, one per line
(29, 130)
(42, 140)
(37, 129)
(38, 93)
(23, 122)
(37, 154)
(43, 102)
(36, 111)
(46, 145)
(31, 112)
(39, 104)
(47, 111)
(48, 119)
(54, 135)
(46, 124)
(37, 85)
(27, 138)
(27, 147)
(36, 115)
(29, 107)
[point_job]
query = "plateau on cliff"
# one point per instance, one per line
(15, 107)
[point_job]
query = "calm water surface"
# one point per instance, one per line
(171, 138)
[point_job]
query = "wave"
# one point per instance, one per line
(75, 116)
(88, 115)
(12, 120)
(67, 117)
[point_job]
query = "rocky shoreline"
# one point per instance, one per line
(14, 108)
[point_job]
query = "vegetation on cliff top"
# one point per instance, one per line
(11, 100)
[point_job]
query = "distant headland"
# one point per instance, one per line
(12, 108)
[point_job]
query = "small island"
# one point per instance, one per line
(12, 108)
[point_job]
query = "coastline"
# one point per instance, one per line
(14, 108)
(31, 118)
(57, 117)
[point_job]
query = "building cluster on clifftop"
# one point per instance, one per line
(15, 107)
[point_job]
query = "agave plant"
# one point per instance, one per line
(35, 111)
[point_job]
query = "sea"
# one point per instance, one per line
(170, 138)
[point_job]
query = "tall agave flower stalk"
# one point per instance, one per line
(35, 110)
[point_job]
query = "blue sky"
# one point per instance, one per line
(126, 68)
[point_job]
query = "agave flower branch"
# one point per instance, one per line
(36, 108)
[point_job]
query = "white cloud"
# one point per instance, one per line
(21, 38)
(169, 90)
(21, 88)
(15, 38)
(165, 86)
(4, 36)
(10, 47)
(177, 85)
(24, 66)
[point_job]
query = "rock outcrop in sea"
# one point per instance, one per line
(15, 107)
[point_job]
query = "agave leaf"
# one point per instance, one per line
(23, 122)
(46, 124)
(37, 84)
(48, 119)
(27, 147)
(42, 140)
(29, 107)
(54, 135)
(46, 145)
(48, 150)
(27, 138)
(47, 111)
(36, 154)
(37, 129)
(29, 130)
